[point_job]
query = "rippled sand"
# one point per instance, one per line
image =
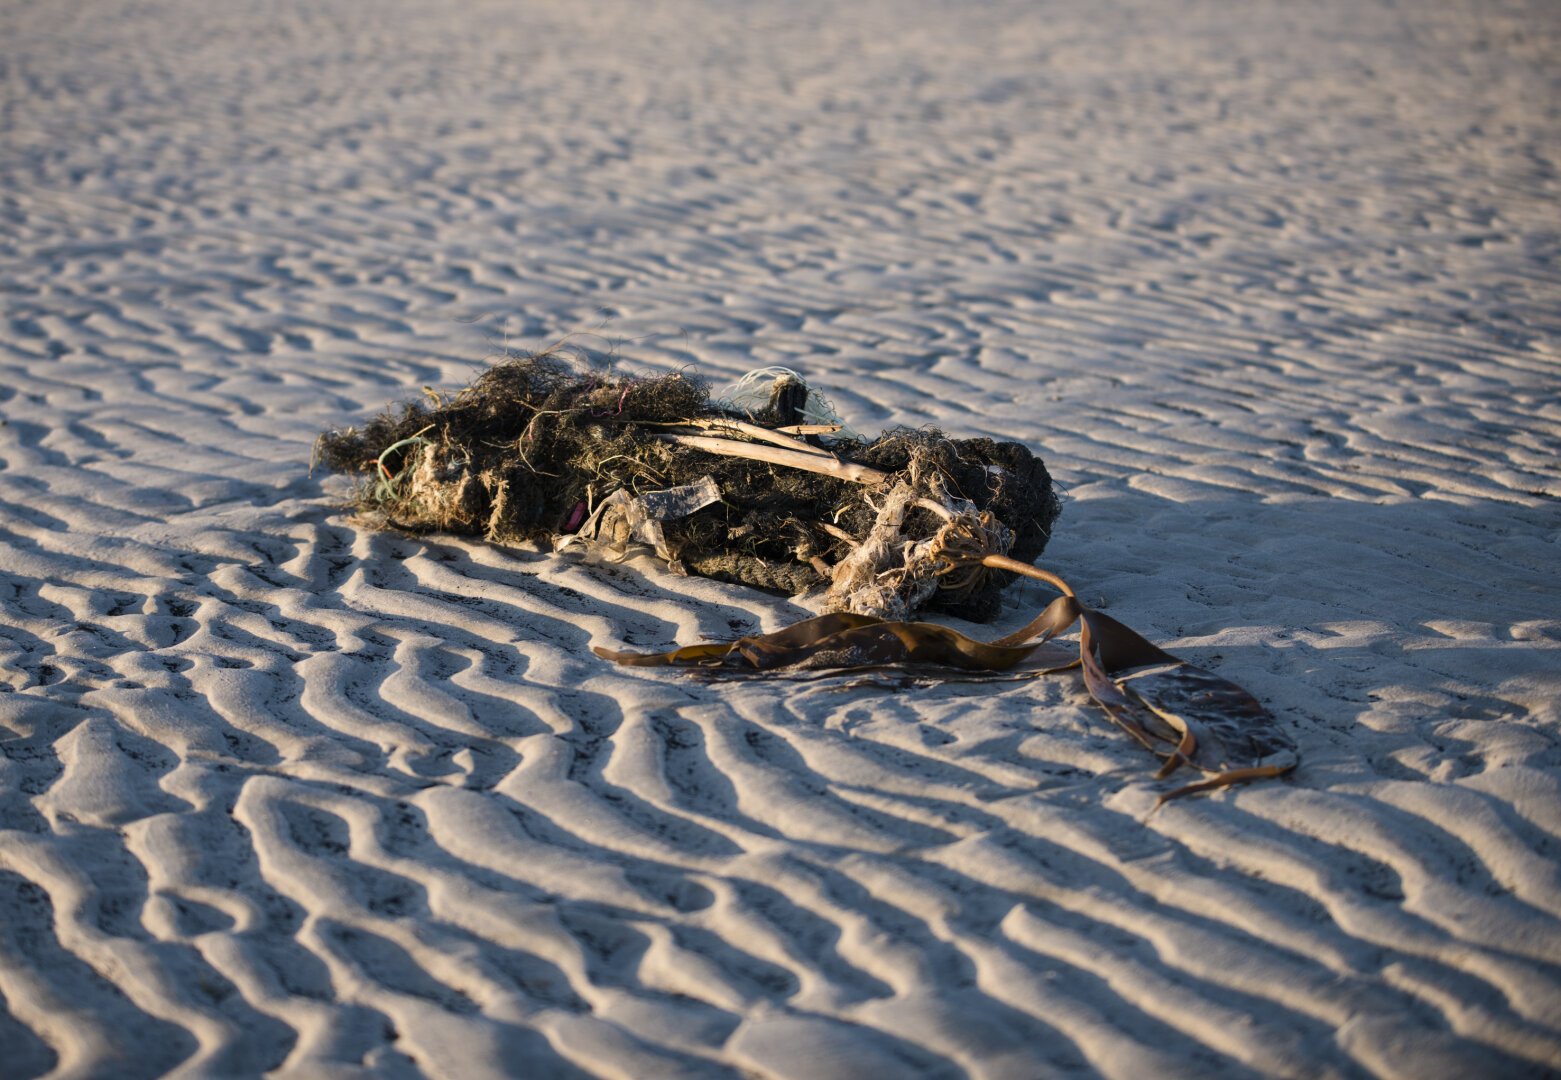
(1273, 287)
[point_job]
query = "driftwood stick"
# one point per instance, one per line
(754, 431)
(791, 459)
(809, 429)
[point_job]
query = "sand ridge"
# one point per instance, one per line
(1273, 289)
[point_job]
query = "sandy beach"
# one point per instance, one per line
(1275, 290)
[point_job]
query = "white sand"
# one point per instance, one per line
(1275, 289)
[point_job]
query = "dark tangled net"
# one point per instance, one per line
(526, 448)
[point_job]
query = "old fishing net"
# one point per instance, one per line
(763, 491)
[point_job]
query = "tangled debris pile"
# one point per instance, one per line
(770, 490)
(764, 495)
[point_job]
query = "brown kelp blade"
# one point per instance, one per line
(843, 640)
(1186, 714)
(762, 651)
(714, 652)
(1126, 711)
(1059, 615)
(905, 643)
(1182, 713)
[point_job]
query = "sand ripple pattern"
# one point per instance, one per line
(1276, 289)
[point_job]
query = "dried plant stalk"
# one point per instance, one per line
(773, 436)
(791, 459)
